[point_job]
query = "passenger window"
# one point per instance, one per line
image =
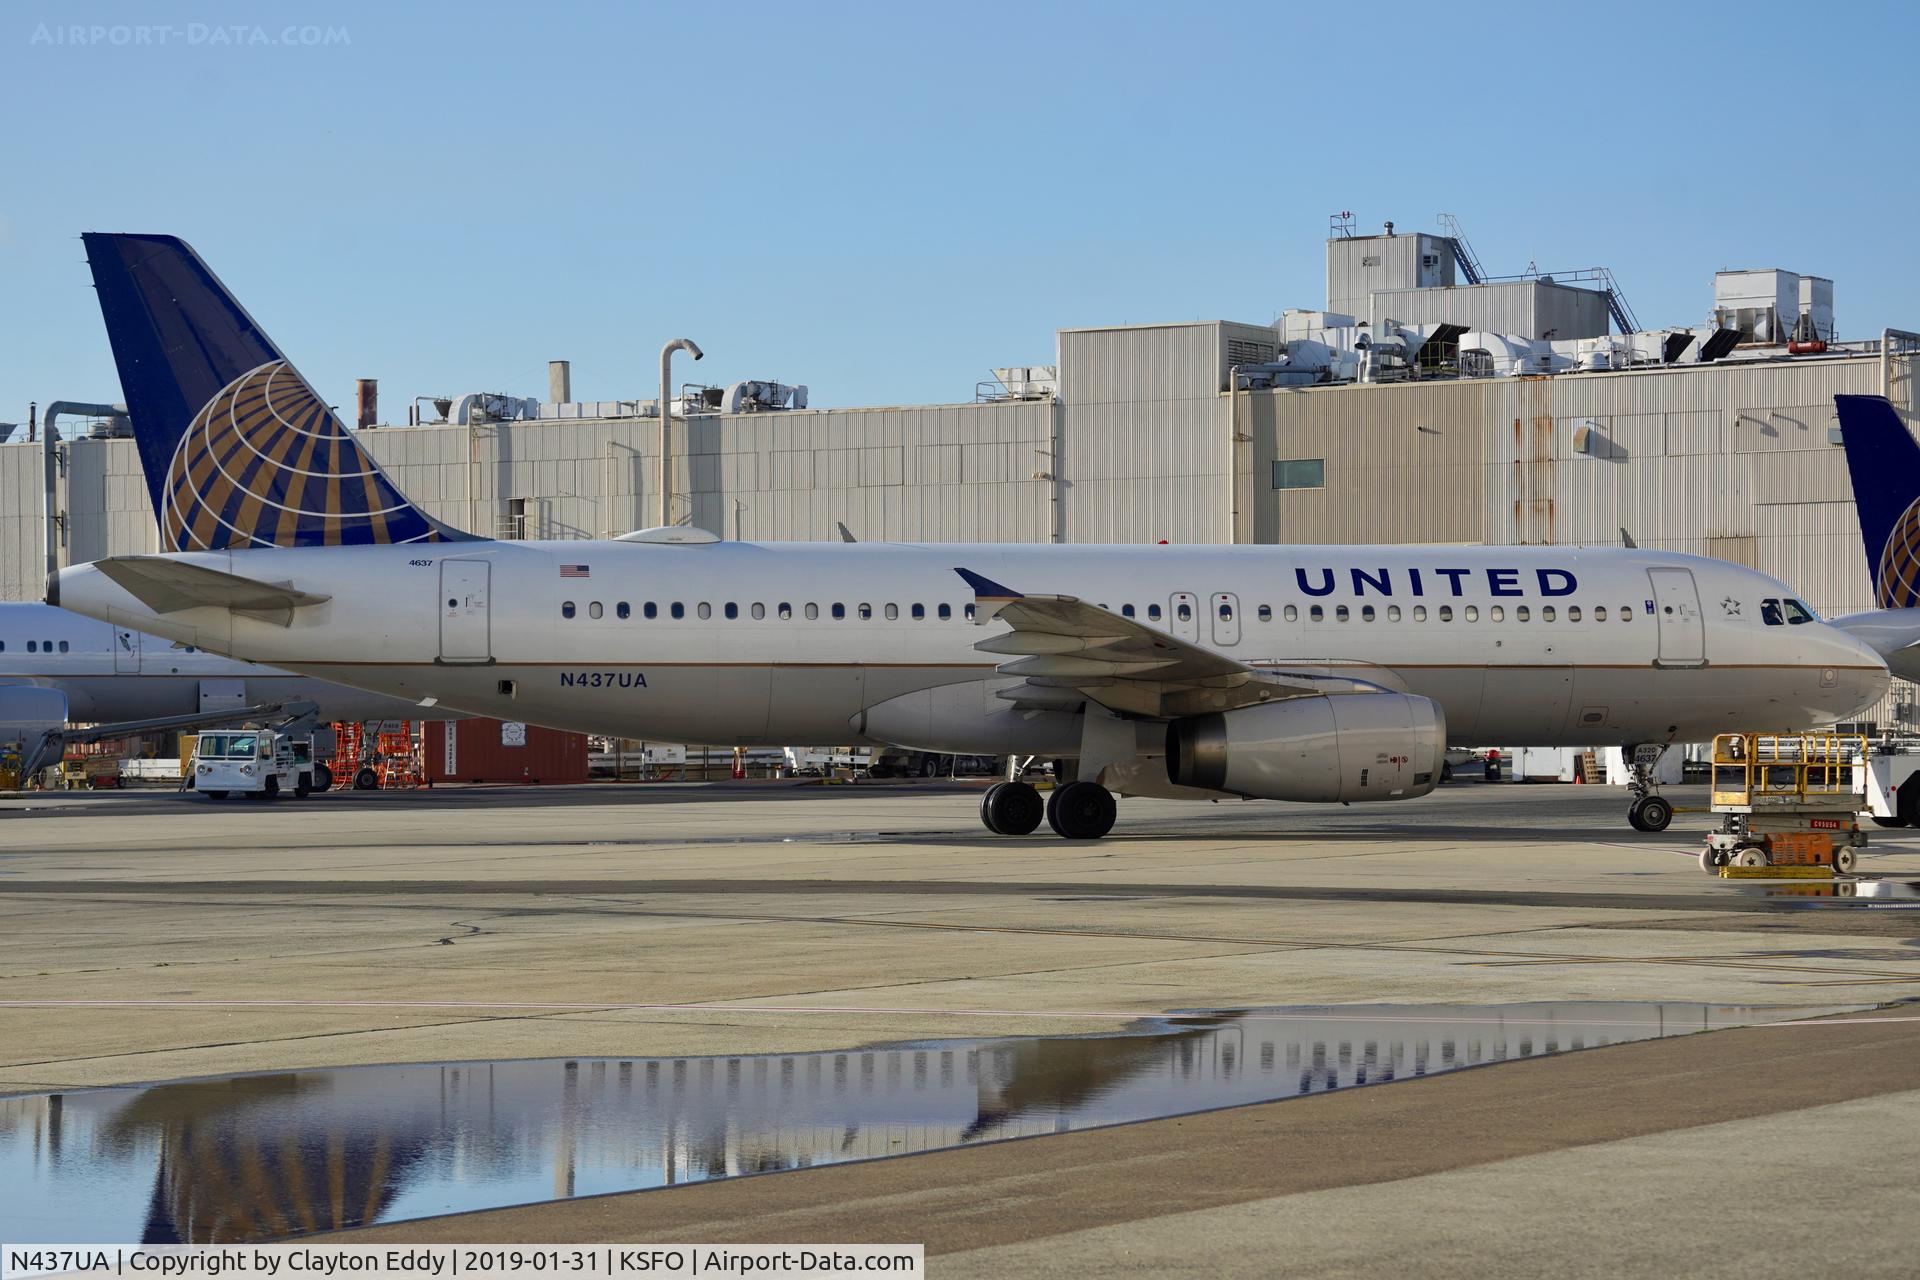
(1546, 613)
(893, 612)
(919, 613)
(1472, 613)
(1599, 613)
(1446, 613)
(623, 610)
(839, 612)
(732, 611)
(1291, 613)
(1226, 612)
(970, 611)
(649, 610)
(813, 611)
(1186, 612)
(1573, 612)
(1419, 613)
(705, 610)
(1126, 611)
(1266, 613)
(63, 646)
(1366, 613)
(866, 612)
(1342, 614)
(1393, 613)
(1153, 613)
(566, 611)
(1316, 614)
(595, 610)
(1497, 613)
(946, 613)
(759, 611)
(678, 610)
(1626, 613)
(1522, 613)
(785, 611)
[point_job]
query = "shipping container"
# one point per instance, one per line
(503, 751)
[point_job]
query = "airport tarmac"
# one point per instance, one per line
(150, 936)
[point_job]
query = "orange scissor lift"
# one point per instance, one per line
(378, 761)
(1792, 804)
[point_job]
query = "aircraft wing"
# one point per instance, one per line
(1065, 648)
(166, 585)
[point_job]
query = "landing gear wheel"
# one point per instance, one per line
(1081, 811)
(1845, 860)
(986, 810)
(366, 780)
(1650, 813)
(1908, 806)
(1750, 858)
(322, 778)
(1712, 859)
(929, 767)
(1013, 808)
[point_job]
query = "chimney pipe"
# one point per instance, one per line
(560, 381)
(367, 393)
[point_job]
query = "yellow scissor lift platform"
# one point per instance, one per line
(1792, 804)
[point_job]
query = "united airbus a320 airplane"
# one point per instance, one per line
(1289, 673)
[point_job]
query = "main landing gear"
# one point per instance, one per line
(1075, 810)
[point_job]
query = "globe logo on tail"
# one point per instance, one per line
(1896, 581)
(266, 463)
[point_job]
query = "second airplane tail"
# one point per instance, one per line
(239, 451)
(1884, 461)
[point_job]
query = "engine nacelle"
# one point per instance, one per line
(1354, 746)
(27, 711)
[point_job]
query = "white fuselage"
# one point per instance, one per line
(111, 673)
(779, 643)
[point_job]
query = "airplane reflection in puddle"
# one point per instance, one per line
(270, 1156)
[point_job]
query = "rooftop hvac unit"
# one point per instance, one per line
(755, 397)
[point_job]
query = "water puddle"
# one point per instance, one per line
(258, 1157)
(1883, 894)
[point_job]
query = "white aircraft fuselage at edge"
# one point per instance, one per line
(738, 642)
(111, 673)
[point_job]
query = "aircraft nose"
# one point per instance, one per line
(1860, 675)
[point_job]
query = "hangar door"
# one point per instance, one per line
(1676, 611)
(464, 635)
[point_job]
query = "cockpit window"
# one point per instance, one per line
(1770, 613)
(1798, 613)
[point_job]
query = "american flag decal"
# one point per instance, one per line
(574, 571)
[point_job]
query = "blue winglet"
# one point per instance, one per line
(986, 588)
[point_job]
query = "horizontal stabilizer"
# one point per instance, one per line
(166, 585)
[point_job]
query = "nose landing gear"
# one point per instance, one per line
(1650, 811)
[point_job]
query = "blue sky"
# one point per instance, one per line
(883, 201)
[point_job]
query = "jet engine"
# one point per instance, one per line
(27, 711)
(1346, 747)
